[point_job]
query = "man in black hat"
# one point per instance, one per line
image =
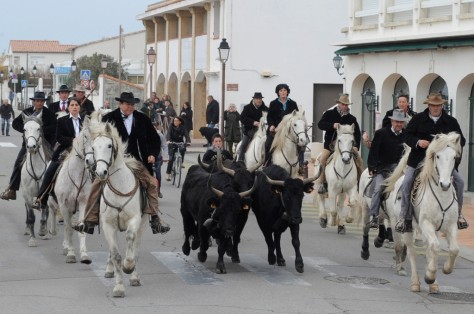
(62, 104)
(49, 133)
(278, 108)
(250, 118)
(137, 130)
(86, 105)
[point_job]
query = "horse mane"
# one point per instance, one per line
(48, 153)
(61, 114)
(440, 142)
(262, 127)
(280, 136)
(389, 183)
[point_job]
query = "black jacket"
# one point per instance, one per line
(276, 112)
(49, 124)
(187, 115)
(212, 112)
(178, 134)
(211, 155)
(143, 140)
(387, 121)
(65, 134)
(87, 107)
(422, 127)
(56, 106)
(6, 112)
(327, 124)
(250, 114)
(385, 151)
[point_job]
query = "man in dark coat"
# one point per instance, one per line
(62, 104)
(87, 107)
(279, 107)
(212, 112)
(329, 122)
(250, 118)
(49, 133)
(403, 103)
(418, 135)
(143, 143)
(384, 155)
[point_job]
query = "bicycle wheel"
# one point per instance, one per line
(179, 162)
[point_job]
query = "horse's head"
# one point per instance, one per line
(32, 133)
(297, 128)
(345, 142)
(105, 148)
(441, 155)
(262, 128)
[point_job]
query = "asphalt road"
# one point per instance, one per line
(335, 280)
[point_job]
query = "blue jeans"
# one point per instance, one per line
(157, 167)
(7, 122)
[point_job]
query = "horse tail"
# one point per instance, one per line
(398, 172)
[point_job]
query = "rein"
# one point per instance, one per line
(351, 153)
(33, 173)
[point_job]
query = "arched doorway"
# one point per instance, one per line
(160, 85)
(184, 89)
(199, 106)
(401, 88)
(173, 89)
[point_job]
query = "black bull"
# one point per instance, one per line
(277, 203)
(210, 205)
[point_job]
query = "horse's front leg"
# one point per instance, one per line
(432, 251)
(341, 229)
(415, 280)
(111, 236)
(68, 247)
(130, 251)
(44, 222)
(30, 223)
(323, 216)
(354, 205)
(331, 204)
(451, 237)
(295, 240)
(134, 278)
(277, 240)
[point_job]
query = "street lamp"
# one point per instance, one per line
(51, 71)
(35, 70)
(151, 55)
(224, 50)
(338, 64)
(73, 70)
(371, 102)
(103, 65)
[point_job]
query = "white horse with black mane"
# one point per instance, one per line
(121, 203)
(435, 207)
(289, 138)
(341, 176)
(32, 171)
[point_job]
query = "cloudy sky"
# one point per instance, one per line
(69, 22)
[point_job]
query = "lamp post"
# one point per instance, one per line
(73, 70)
(35, 70)
(371, 102)
(103, 65)
(14, 82)
(51, 71)
(224, 50)
(338, 65)
(151, 56)
(1, 88)
(22, 72)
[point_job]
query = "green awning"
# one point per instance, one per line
(406, 46)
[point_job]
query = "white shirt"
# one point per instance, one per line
(127, 120)
(75, 122)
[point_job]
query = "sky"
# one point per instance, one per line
(70, 22)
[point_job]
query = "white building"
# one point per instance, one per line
(416, 46)
(272, 42)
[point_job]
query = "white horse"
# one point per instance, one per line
(435, 207)
(253, 154)
(120, 205)
(32, 171)
(72, 188)
(290, 135)
(341, 176)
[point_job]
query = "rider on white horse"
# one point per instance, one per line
(142, 140)
(329, 122)
(68, 127)
(49, 133)
(384, 155)
(250, 118)
(418, 135)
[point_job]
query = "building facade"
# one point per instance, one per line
(271, 41)
(412, 47)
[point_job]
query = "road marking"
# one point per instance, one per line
(318, 262)
(272, 274)
(7, 144)
(187, 268)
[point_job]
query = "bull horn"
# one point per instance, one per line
(262, 160)
(247, 193)
(217, 192)
(203, 164)
(308, 180)
(221, 166)
(274, 182)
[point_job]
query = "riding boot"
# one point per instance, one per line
(157, 226)
(92, 208)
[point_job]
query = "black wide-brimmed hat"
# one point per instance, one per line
(39, 95)
(257, 95)
(63, 88)
(128, 98)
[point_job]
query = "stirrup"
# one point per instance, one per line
(84, 227)
(158, 227)
(462, 223)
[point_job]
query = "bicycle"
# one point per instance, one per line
(176, 171)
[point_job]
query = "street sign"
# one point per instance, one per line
(85, 83)
(85, 74)
(24, 83)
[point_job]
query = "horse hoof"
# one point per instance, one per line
(402, 272)
(71, 259)
(86, 260)
(341, 230)
(323, 222)
(434, 289)
(429, 280)
(135, 282)
(109, 274)
(378, 242)
(349, 220)
(118, 292)
(365, 255)
(415, 287)
(32, 243)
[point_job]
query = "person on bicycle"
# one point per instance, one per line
(177, 133)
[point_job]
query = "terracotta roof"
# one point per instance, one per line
(39, 46)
